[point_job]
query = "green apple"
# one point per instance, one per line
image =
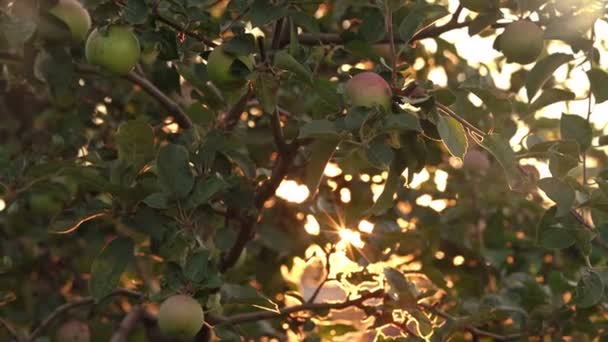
(180, 316)
(368, 89)
(75, 16)
(116, 49)
(219, 66)
(73, 331)
(45, 204)
(521, 42)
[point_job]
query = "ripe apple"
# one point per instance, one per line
(219, 66)
(73, 331)
(475, 159)
(180, 316)
(117, 49)
(75, 16)
(521, 42)
(368, 89)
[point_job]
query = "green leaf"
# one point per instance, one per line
(589, 290)
(372, 28)
(135, 12)
(205, 190)
(320, 154)
(157, 200)
(16, 30)
(402, 122)
(598, 79)
(560, 192)
(483, 21)
(453, 135)
(283, 60)
(563, 157)
(574, 127)
(135, 143)
(305, 21)
(571, 26)
(501, 150)
(550, 96)
(393, 183)
(542, 71)
(553, 234)
(400, 288)
(380, 155)
(173, 170)
(319, 129)
(109, 265)
(196, 268)
(263, 13)
(421, 15)
(266, 90)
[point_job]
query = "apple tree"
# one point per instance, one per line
(286, 170)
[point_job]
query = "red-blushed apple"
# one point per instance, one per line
(475, 159)
(180, 316)
(73, 331)
(368, 89)
(521, 42)
(117, 49)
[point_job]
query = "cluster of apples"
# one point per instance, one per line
(117, 49)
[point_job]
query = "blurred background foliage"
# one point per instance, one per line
(473, 209)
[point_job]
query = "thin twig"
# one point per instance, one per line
(277, 132)
(127, 324)
(391, 38)
(589, 100)
(185, 31)
(80, 222)
(63, 309)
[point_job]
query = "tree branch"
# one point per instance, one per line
(9, 328)
(231, 118)
(263, 315)
(476, 331)
(428, 32)
(62, 309)
(184, 30)
(176, 111)
(127, 324)
(180, 116)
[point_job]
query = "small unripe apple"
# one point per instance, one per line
(75, 16)
(44, 204)
(180, 316)
(521, 42)
(73, 331)
(368, 89)
(117, 49)
(219, 66)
